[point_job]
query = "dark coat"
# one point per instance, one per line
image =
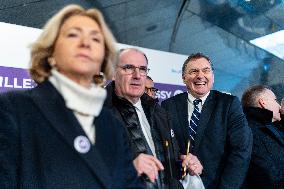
(158, 121)
(37, 151)
(266, 169)
(223, 141)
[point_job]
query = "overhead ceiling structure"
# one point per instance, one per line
(221, 29)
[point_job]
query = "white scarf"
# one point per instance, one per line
(86, 104)
(77, 98)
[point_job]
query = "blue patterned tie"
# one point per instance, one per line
(194, 120)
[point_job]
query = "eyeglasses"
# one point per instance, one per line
(130, 69)
(196, 71)
(152, 89)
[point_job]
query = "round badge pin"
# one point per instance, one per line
(82, 144)
(172, 133)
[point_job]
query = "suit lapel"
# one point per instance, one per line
(206, 112)
(52, 105)
(182, 109)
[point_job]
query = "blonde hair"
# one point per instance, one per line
(43, 47)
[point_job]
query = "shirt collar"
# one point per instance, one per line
(138, 105)
(192, 98)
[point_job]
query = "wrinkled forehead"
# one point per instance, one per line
(132, 57)
(198, 63)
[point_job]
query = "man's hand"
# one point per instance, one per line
(192, 163)
(148, 165)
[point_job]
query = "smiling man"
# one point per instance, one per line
(214, 123)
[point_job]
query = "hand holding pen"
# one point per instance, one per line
(191, 163)
(187, 153)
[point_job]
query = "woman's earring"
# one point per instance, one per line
(51, 61)
(100, 79)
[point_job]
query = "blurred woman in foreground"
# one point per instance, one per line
(57, 135)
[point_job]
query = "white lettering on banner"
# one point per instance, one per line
(13, 83)
(163, 94)
(6, 84)
(27, 83)
(167, 94)
(16, 86)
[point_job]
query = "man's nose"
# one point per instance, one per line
(136, 73)
(199, 73)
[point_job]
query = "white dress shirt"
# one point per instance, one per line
(145, 126)
(190, 105)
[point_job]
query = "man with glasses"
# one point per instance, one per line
(266, 168)
(156, 154)
(149, 87)
(214, 124)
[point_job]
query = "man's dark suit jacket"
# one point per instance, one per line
(223, 141)
(37, 151)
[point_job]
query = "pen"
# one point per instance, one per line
(169, 157)
(187, 152)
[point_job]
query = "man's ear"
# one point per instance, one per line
(183, 79)
(261, 103)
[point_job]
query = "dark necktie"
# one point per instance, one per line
(194, 120)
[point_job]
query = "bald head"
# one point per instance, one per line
(122, 53)
(261, 96)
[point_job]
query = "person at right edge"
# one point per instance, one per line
(280, 124)
(222, 139)
(266, 170)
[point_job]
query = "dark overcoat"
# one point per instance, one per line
(37, 139)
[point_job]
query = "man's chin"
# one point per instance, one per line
(200, 93)
(136, 94)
